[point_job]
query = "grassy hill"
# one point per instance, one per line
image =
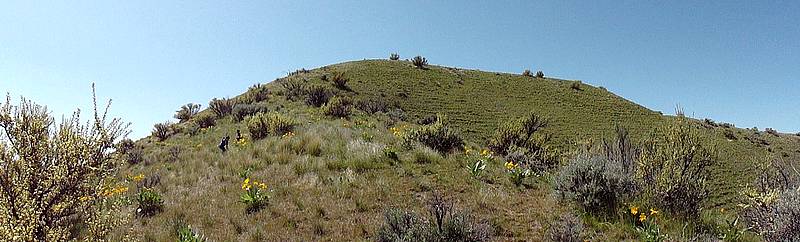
(332, 179)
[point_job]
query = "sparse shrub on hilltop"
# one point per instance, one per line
(394, 57)
(338, 107)
(521, 142)
(241, 111)
(162, 131)
(675, 168)
(575, 85)
(372, 105)
(318, 95)
(339, 81)
(527, 73)
(419, 62)
(221, 107)
(57, 179)
(273, 123)
(539, 74)
(438, 136)
(187, 112)
(205, 120)
(293, 89)
(567, 228)
(771, 131)
(254, 94)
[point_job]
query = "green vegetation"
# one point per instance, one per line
(379, 161)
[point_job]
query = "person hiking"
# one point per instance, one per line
(223, 145)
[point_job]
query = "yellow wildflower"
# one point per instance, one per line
(510, 165)
(467, 151)
(653, 211)
(246, 184)
(642, 217)
(484, 152)
(634, 210)
(262, 186)
(85, 198)
(138, 178)
(722, 210)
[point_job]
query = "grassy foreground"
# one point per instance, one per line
(331, 178)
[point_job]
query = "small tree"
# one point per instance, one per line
(52, 178)
(221, 107)
(187, 112)
(527, 73)
(539, 74)
(394, 57)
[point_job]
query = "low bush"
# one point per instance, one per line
(205, 120)
(772, 131)
(419, 62)
(338, 107)
(773, 202)
(293, 89)
(567, 228)
(437, 136)
(317, 95)
(428, 120)
(149, 202)
(372, 105)
(522, 142)
(527, 73)
(339, 81)
(539, 74)
(595, 183)
(221, 107)
(675, 168)
(445, 224)
(394, 57)
(187, 112)
(575, 85)
(241, 111)
(254, 94)
(273, 123)
(134, 155)
(162, 131)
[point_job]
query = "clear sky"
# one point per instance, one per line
(731, 61)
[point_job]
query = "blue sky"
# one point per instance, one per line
(732, 61)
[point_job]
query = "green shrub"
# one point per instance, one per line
(372, 105)
(241, 111)
(37, 202)
(339, 81)
(475, 169)
(520, 141)
(394, 57)
(254, 94)
(221, 107)
(419, 62)
(674, 168)
(338, 107)
(205, 120)
(318, 95)
(293, 89)
(272, 123)
(187, 112)
(437, 136)
(149, 202)
(595, 183)
(773, 206)
(162, 131)
(568, 228)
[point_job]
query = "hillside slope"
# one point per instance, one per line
(333, 178)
